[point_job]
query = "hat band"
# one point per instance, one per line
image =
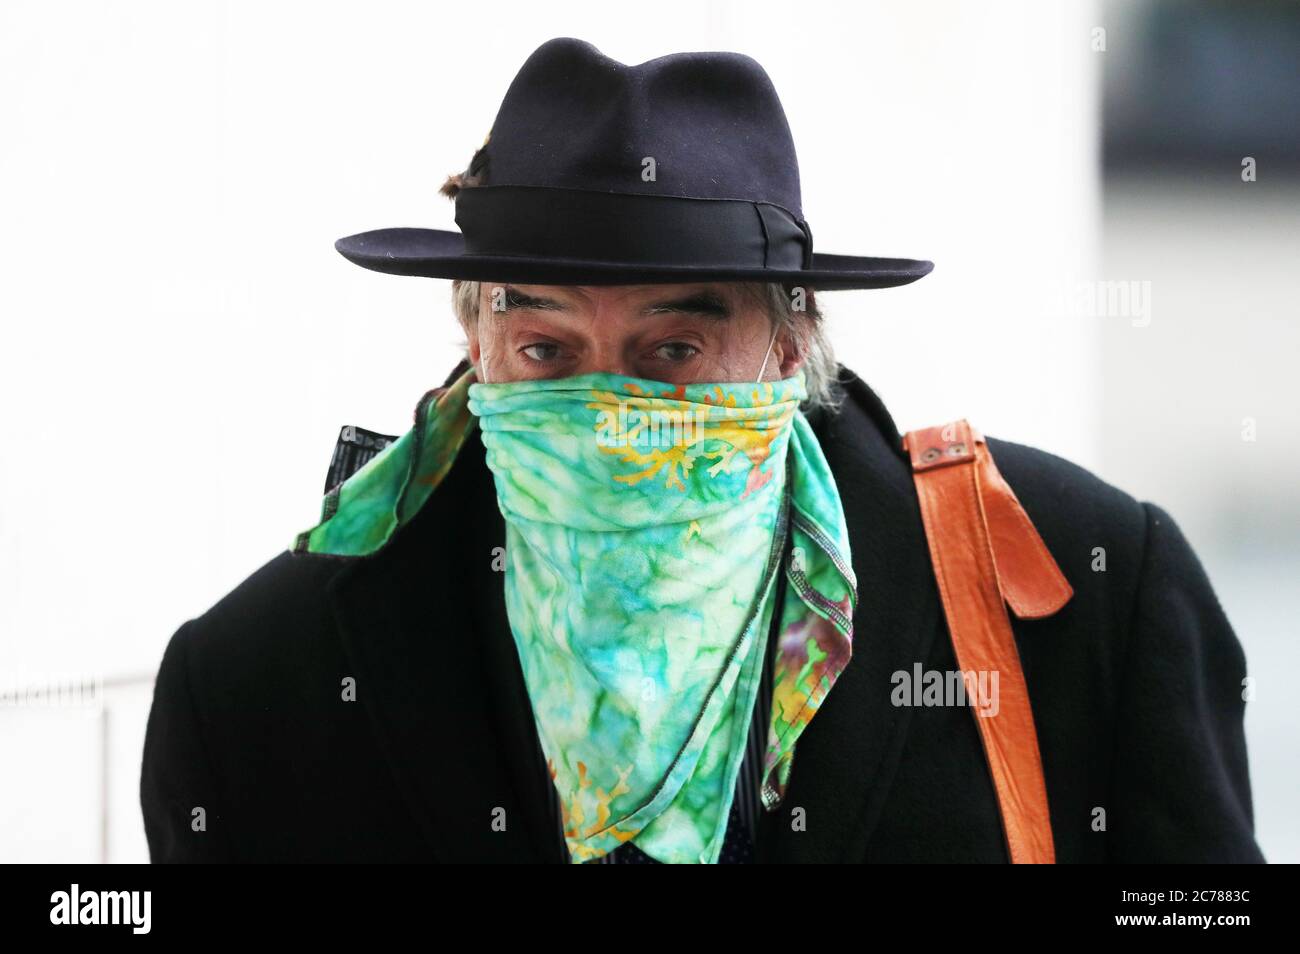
(630, 229)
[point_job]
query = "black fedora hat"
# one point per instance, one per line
(678, 169)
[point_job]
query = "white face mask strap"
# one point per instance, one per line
(775, 328)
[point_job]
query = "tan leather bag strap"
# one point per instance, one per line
(985, 550)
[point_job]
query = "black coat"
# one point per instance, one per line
(1135, 687)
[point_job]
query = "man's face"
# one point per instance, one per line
(682, 334)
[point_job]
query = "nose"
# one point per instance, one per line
(608, 349)
(606, 355)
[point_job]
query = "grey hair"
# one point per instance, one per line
(785, 306)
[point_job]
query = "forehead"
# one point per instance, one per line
(718, 299)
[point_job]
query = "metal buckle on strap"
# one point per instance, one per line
(931, 447)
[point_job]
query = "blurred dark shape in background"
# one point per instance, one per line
(1187, 82)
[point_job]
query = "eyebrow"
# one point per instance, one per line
(707, 304)
(516, 300)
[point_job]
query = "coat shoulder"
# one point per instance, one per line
(1065, 494)
(1085, 521)
(1091, 527)
(282, 588)
(278, 613)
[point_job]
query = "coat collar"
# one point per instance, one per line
(424, 627)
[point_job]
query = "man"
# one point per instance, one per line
(643, 580)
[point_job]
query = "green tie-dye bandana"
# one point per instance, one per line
(645, 525)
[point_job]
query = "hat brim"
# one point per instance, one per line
(437, 253)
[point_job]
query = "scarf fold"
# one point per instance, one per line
(645, 523)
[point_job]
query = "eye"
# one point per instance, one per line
(676, 351)
(550, 351)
